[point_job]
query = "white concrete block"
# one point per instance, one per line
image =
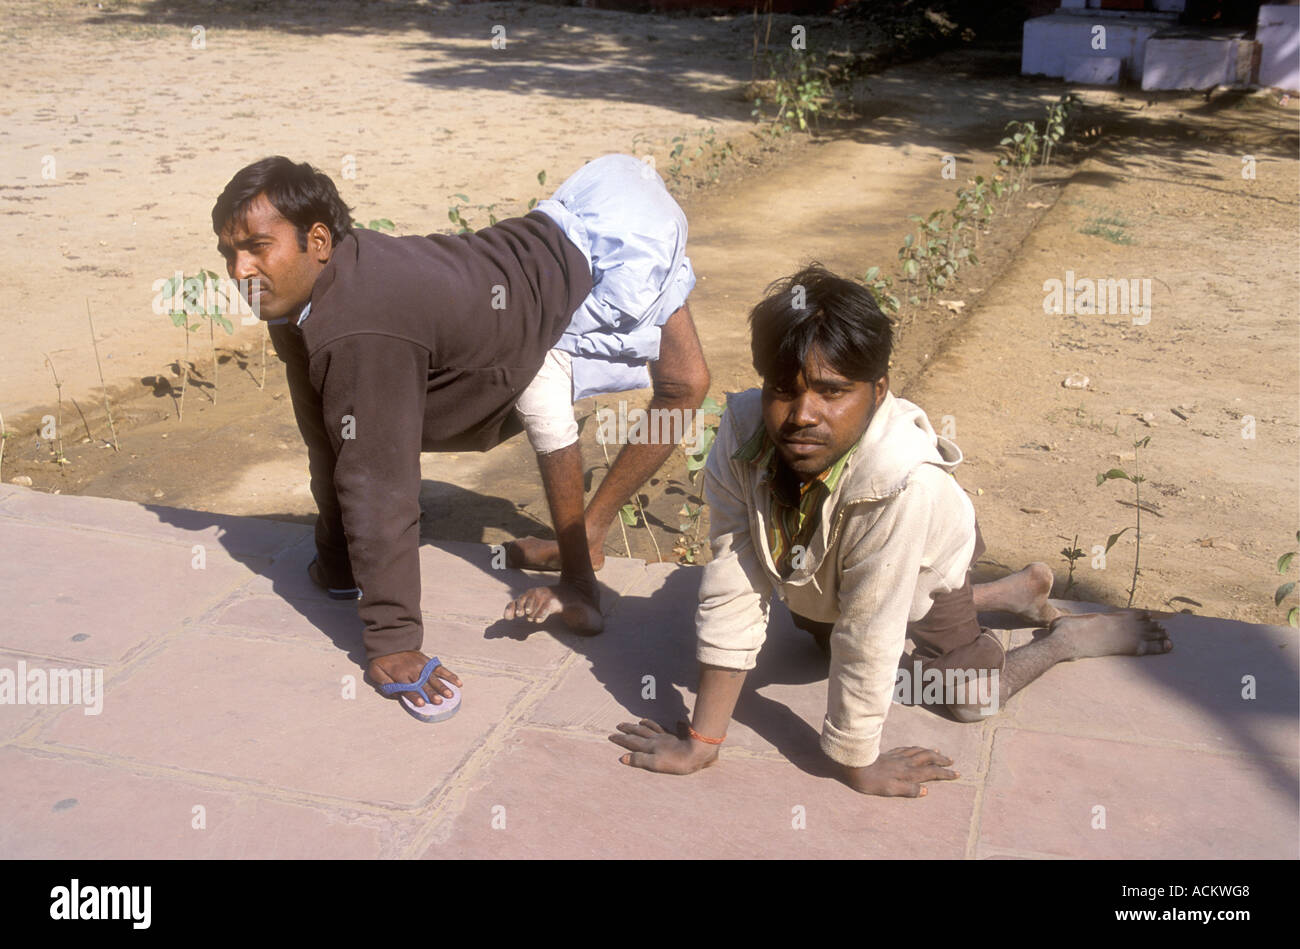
(1093, 70)
(1049, 41)
(1196, 59)
(1278, 34)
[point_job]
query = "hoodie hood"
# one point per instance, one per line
(898, 439)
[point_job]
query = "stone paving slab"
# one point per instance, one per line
(480, 593)
(226, 688)
(745, 808)
(1044, 789)
(275, 715)
(67, 594)
(16, 717)
(1226, 687)
(240, 537)
(69, 809)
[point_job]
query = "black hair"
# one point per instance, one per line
(302, 195)
(815, 308)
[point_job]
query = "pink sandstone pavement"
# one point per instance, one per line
(228, 728)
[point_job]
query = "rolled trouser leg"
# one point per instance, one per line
(546, 406)
(970, 676)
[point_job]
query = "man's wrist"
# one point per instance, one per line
(859, 778)
(701, 751)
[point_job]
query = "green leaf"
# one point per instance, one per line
(1283, 592)
(1114, 473)
(1293, 616)
(628, 513)
(462, 197)
(541, 177)
(532, 203)
(710, 406)
(871, 274)
(706, 442)
(1142, 443)
(1110, 541)
(226, 325)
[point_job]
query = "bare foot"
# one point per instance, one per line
(578, 607)
(533, 553)
(1023, 593)
(1125, 633)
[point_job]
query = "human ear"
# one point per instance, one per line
(320, 241)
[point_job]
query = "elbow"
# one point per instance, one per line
(687, 389)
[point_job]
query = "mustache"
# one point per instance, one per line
(802, 438)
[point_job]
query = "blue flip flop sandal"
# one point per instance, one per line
(335, 593)
(428, 712)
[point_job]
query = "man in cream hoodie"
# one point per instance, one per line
(838, 497)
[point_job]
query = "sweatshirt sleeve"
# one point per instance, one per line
(731, 620)
(373, 389)
(879, 576)
(331, 543)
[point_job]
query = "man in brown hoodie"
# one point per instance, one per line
(413, 344)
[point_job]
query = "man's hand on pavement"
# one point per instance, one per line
(406, 667)
(900, 772)
(654, 749)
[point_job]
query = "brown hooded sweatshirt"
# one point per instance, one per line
(415, 344)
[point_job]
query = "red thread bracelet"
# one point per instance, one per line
(708, 741)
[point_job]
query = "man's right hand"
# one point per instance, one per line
(406, 667)
(899, 773)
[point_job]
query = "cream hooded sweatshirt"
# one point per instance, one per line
(896, 531)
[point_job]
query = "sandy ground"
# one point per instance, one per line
(144, 130)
